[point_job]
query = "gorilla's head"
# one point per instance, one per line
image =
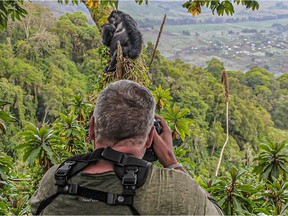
(115, 17)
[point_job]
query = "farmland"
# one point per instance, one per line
(239, 45)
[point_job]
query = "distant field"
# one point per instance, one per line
(225, 26)
(259, 24)
(194, 27)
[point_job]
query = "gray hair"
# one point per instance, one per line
(124, 109)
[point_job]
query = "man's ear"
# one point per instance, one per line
(92, 128)
(150, 138)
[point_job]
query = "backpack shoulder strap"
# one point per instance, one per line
(73, 165)
(123, 163)
(66, 170)
(130, 170)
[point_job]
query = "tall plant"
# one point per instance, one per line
(224, 80)
(162, 97)
(80, 107)
(179, 125)
(274, 199)
(37, 144)
(71, 133)
(272, 161)
(234, 196)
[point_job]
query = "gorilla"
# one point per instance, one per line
(123, 28)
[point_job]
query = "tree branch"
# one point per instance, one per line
(157, 42)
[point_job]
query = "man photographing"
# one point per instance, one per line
(113, 179)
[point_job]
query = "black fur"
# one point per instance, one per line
(107, 33)
(123, 28)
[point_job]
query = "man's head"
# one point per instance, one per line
(124, 110)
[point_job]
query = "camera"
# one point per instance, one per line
(150, 154)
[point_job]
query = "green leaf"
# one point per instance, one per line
(236, 204)
(2, 103)
(77, 134)
(183, 112)
(281, 146)
(263, 210)
(222, 200)
(285, 186)
(267, 172)
(284, 208)
(68, 132)
(6, 117)
(27, 153)
(32, 128)
(240, 173)
(229, 9)
(24, 145)
(43, 132)
(265, 147)
(3, 208)
(33, 155)
(50, 153)
(233, 173)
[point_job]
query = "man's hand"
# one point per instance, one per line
(163, 145)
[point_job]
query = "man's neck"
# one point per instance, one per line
(99, 167)
(128, 146)
(122, 146)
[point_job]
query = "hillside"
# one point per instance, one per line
(241, 41)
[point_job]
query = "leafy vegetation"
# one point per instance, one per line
(4, 116)
(272, 161)
(11, 9)
(221, 7)
(51, 74)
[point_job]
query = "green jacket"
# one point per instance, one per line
(165, 192)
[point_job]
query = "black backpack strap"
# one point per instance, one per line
(129, 182)
(45, 203)
(109, 198)
(123, 162)
(74, 189)
(130, 170)
(66, 170)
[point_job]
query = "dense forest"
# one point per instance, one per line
(51, 71)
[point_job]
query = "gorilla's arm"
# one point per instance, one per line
(107, 33)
